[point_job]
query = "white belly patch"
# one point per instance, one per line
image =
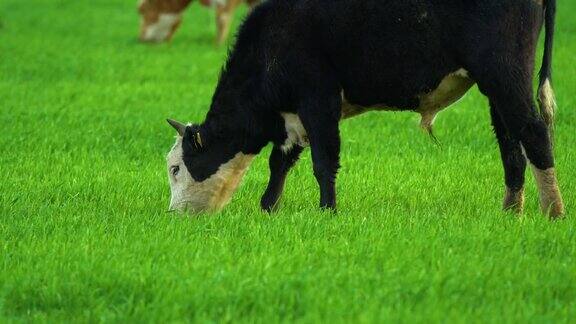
(451, 89)
(296, 134)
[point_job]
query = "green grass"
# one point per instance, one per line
(419, 236)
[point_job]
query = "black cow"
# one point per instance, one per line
(301, 66)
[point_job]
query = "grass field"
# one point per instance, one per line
(419, 236)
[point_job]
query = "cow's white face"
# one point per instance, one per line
(160, 19)
(205, 190)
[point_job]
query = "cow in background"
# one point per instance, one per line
(161, 18)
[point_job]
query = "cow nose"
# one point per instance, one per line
(178, 206)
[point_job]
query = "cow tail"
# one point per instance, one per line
(546, 97)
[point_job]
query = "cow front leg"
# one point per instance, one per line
(224, 13)
(513, 161)
(320, 120)
(280, 163)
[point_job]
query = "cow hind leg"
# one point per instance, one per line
(511, 95)
(513, 161)
(280, 164)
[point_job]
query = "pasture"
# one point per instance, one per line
(419, 235)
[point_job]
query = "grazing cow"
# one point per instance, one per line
(301, 66)
(161, 18)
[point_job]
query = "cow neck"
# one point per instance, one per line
(236, 105)
(230, 114)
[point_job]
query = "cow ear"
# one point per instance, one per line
(196, 137)
(178, 126)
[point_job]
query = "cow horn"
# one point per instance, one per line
(178, 126)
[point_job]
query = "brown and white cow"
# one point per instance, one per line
(161, 18)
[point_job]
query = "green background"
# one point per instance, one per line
(419, 236)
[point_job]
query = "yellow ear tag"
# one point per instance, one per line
(198, 139)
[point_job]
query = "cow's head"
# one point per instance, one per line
(160, 18)
(204, 168)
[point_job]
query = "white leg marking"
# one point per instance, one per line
(550, 197)
(160, 30)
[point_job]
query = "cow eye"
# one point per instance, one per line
(174, 170)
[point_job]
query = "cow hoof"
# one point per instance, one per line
(514, 200)
(330, 209)
(550, 197)
(554, 209)
(269, 202)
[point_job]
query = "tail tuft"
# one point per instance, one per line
(547, 102)
(546, 98)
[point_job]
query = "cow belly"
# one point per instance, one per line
(452, 87)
